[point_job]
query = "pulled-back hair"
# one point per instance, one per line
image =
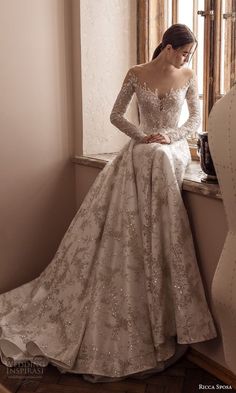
(176, 35)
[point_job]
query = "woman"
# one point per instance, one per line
(123, 294)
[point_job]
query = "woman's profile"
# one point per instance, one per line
(123, 295)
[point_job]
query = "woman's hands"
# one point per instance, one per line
(158, 138)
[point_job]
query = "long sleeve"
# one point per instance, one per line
(193, 122)
(120, 106)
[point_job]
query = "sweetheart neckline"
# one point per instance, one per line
(155, 92)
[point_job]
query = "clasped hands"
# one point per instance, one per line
(158, 138)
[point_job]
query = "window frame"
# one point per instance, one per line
(150, 32)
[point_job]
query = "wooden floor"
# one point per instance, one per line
(183, 377)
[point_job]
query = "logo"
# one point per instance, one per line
(33, 368)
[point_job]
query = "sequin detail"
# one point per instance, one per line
(157, 113)
(124, 285)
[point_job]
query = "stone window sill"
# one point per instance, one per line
(192, 179)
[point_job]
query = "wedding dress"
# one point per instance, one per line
(123, 290)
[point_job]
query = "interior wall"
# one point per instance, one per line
(209, 228)
(77, 78)
(108, 50)
(37, 198)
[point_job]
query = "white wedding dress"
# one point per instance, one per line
(123, 290)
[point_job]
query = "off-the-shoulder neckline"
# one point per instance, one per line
(143, 86)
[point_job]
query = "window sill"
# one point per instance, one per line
(191, 183)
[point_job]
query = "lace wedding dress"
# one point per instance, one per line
(123, 290)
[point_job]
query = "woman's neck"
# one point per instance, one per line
(161, 64)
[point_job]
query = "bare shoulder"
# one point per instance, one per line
(187, 73)
(138, 69)
(134, 72)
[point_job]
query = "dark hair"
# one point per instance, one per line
(177, 35)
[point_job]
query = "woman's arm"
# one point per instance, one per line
(120, 106)
(193, 122)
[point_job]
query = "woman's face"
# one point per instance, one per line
(180, 56)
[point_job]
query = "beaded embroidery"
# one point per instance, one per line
(157, 114)
(124, 286)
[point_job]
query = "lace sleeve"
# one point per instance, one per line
(193, 122)
(120, 106)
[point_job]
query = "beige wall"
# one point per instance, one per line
(209, 227)
(37, 197)
(108, 50)
(85, 177)
(77, 77)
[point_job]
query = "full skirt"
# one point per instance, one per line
(123, 289)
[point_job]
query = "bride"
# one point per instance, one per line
(123, 294)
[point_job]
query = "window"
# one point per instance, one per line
(213, 23)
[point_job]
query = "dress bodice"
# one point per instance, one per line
(157, 113)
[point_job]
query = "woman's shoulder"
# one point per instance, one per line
(135, 70)
(138, 72)
(191, 81)
(138, 69)
(133, 73)
(188, 74)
